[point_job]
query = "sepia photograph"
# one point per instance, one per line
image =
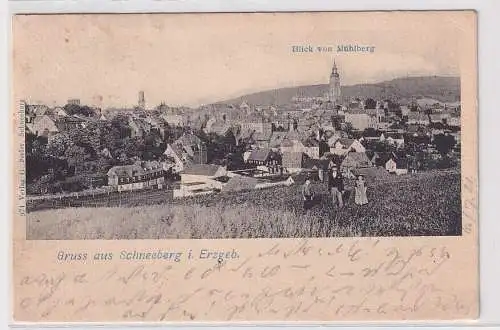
(245, 167)
(191, 132)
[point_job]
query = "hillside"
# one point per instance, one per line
(444, 89)
(426, 203)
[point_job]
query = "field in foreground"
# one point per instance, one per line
(410, 205)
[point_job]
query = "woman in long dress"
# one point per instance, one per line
(360, 191)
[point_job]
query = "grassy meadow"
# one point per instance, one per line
(409, 205)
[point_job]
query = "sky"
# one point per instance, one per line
(193, 59)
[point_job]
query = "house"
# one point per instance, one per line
(391, 165)
(192, 147)
(136, 128)
(437, 118)
(360, 120)
(139, 175)
(292, 161)
(44, 126)
(349, 144)
(38, 109)
(288, 145)
(59, 111)
(257, 126)
(355, 160)
(173, 120)
(333, 138)
(381, 158)
(395, 139)
(176, 157)
(220, 127)
(311, 148)
(202, 173)
(70, 123)
(200, 179)
(260, 140)
(418, 118)
(263, 157)
(405, 110)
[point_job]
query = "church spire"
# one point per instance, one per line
(334, 69)
(334, 93)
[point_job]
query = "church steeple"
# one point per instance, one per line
(334, 88)
(334, 69)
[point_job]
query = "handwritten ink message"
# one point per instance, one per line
(367, 279)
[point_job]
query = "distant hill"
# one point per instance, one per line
(444, 89)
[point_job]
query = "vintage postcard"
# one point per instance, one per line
(245, 167)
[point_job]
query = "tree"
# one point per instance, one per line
(370, 103)
(348, 128)
(336, 122)
(59, 144)
(444, 143)
(76, 157)
(75, 109)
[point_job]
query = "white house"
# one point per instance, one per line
(199, 179)
(397, 166)
(390, 165)
(44, 126)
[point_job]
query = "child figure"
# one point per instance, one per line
(360, 196)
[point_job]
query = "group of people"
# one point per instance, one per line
(336, 190)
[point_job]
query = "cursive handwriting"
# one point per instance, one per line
(300, 281)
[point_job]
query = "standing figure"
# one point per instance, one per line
(360, 196)
(307, 195)
(336, 186)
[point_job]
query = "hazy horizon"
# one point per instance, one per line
(125, 106)
(192, 59)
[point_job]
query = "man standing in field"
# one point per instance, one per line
(336, 186)
(307, 195)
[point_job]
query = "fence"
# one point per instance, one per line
(100, 199)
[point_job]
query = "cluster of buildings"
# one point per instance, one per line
(310, 134)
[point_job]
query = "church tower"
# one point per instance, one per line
(334, 89)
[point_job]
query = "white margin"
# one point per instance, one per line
(489, 124)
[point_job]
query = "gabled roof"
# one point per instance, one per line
(260, 155)
(346, 142)
(339, 152)
(138, 168)
(316, 164)
(201, 169)
(380, 158)
(292, 158)
(356, 159)
(41, 123)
